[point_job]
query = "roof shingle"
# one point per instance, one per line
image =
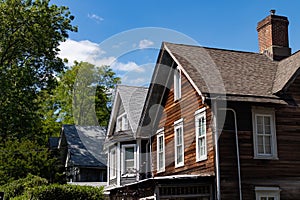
(219, 71)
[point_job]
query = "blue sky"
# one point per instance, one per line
(117, 32)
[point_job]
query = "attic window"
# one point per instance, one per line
(122, 122)
(177, 84)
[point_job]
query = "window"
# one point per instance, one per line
(128, 158)
(200, 127)
(177, 84)
(113, 163)
(267, 193)
(265, 146)
(179, 143)
(160, 151)
(122, 123)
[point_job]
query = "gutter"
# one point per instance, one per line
(237, 149)
(217, 162)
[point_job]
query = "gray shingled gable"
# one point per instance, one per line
(287, 69)
(85, 144)
(133, 99)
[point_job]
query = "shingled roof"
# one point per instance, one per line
(234, 73)
(85, 145)
(133, 99)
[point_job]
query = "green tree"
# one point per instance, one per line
(30, 33)
(82, 97)
(19, 158)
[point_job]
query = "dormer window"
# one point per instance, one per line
(122, 122)
(177, 84)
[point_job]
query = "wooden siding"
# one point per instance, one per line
(184, 108)
(283, 173)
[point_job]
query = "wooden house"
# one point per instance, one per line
(127, 158)
(81, 150)
(223, 124)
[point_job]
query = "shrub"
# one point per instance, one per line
(18, 187)
(64, 192)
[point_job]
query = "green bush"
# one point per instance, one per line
(21, 186)
(37, 188)
(65, 192)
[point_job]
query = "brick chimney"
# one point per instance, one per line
(273, 36)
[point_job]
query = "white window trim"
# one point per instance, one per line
(269, 191)
(179, 124)
(112, 169)
(160, 133)
(201, 113)
(177, 88)
(123, 128)
(261, 111)
(124, 174)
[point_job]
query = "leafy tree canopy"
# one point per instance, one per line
(30, 33)
(82, 97)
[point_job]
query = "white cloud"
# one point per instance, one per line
(80, 51)
(87, 51)
(130, 66)
(145, 44)
(95, 17)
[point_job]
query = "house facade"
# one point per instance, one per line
(127, 158)
(223, 124)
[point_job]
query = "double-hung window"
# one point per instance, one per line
(113, 163)
(179, 143)
(267, 193)
(264, 133)
(160, 151)
(200, 127)
(128, 159)
(177, 84)
(122, 122)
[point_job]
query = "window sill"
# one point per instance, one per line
(261, 157)
(160, 171)
(179, 165)
(201, 159)
(128, 175)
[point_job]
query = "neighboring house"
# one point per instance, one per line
(82, 153)
(127, 160)
(224, 124)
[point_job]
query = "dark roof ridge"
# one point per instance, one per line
(216, 48)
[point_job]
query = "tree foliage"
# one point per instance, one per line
(30, 33)
(82, 97)
(19, 158)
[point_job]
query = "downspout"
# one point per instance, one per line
(237, 149)
(218, 182)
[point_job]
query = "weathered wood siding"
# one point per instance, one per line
(184, 108)
(283, 173)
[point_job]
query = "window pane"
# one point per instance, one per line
(160, 143)
(129, 153)
(268, 129)
(129, 164)
(179, 136)
(267, 144)
(260, 129)
(259, 120)
(267, 120)
(161, 160)
(179, 154)
(260, 144)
